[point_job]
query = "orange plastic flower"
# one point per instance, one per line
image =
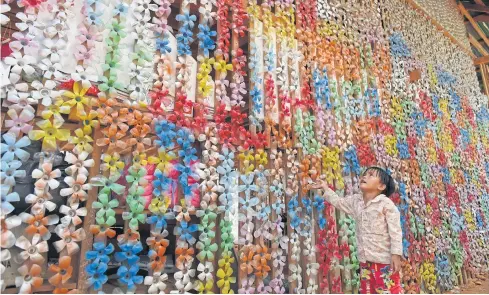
(102, 231)
(104, 106)
(115, 121)
(260, 262)
(37, 224)
(31, 278)
(157, 259)
(184, 255)
(129, 236)
(113, 140)
(62, 271)
(157, 240)
(247, 260)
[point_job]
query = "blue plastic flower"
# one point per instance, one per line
(96, 275)
(158, 220)
(264, 213)
(160, 183)
(188, 155)
(129, 252)
(318, 203)
(185, 138)
(101, 253)
(129, 276)
(322, 222)
(184, 39)
(186, 19)
(184, 231)
(185, 173)
(163, 45)
(308, 205)
(205, 37)
(166, 133)
(121, 8)
(278, 207)
(247, 187)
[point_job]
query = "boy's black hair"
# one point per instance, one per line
(385, 178)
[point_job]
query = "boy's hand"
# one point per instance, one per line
(318, 184)
(396, 263)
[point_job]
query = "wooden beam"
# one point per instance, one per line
(423, 12)
(477, 45)
(480, 18)
(481, 60)
(484, 78)
(475, 7)
(473, 23)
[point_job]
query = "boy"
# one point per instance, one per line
(378, 230)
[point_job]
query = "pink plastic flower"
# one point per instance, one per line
(89, 35)
(19, 123)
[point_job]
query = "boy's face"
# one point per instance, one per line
(370, 182)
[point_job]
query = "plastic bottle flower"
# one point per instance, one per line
(184, 231)
(225, 279)
(40, 201)
(69, 239)
(97, 276)
(129, 252)
(82, 142)
(129, 276)
(20, 63)
(163, 161)
(62, 271)
(19, 123)
(29, 279)
(79, 163)
(103, 229)
(50, 134)
(156, 282)
(7, 236)
(46, 176)
(37, 224)
(13, 148)
(100, 253)
(108, 184)
(136, 215)
(77, 188)
(32, 250)
(72, 214)
(77, 98)
(9, 172)
(112, 163)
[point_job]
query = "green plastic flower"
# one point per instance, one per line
(108, 184)
(105, 206)
(136, 176)
(136, 215)
(206, 250)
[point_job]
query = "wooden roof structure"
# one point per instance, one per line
(476, 14)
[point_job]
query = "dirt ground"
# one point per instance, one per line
(479, 285)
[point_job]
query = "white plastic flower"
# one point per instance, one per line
(72, 214)
(156, 283)
(9, 172)
(4, 8)
(4, 257)
(57, 29)
(40, 201)
(13, 148)
(28, 23)
(22, 41)
(206, 270)
(45, 91)
(84, 76)
(20, 64)
(32, 250)
(53, 49)
(7, 236)
(11, 89)
(78, 163)
(51, 70)
(46, 176)
(77, 188)
(22, 101)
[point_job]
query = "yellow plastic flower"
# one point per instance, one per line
(163, 160)
(89, 122)
(390, 145)
(159, 205)
(82, 141)
(222, 67)
(247, 159)
(226, 260)
(50, 134)
(261, 157)
(112, 163)
(55, 110)
(225, 276)
(205, 88)
(205, 288)
(139, 159)
(77, 98)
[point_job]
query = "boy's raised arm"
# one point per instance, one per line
(344, 204)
